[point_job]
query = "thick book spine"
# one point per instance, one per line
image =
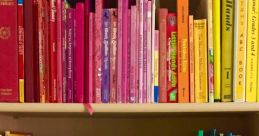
(252, 51)
(171, 58)
(145, 10)
(70, 16)
(21, 49)
(156, 67)
(53, 50)
(216, 13)
(64, 52)
(240, 31)
(191, 57)
(113, 55)
(183, 59)
(227, 49)
(210, 51)
(86, 45)
(133, 80)
(200, 47)
(59, 52)
(8, 52)
(141, 51)
(149, 52)
(120, 51)
(80, 53)
(91, 58)
(105, 56)
(97, 50)
(162, 55)
(128, 57)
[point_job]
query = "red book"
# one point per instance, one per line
(8, 52)
(53, 50)
(59, 52)
(87, 57)
(162, 55)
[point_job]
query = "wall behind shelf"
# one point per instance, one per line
(173, 125)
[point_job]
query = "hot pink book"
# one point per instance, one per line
(128, 58)
(59, 53)
(149, 52)
(119, 52)
(8, 52)
(140, 51)
(79, 60)
(133, 78)
(97, 50)
(91, 58)
(86, 72)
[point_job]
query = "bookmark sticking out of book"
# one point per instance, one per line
(89, 108)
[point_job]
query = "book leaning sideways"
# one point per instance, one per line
(8, 51)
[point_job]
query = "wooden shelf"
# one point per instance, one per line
(128, 108)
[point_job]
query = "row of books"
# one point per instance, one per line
(9, 133)
(214, 132)
(128, 51)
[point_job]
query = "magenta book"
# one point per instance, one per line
(128, 57)
(97, 50)
(120, 51)
(149, 52)
(133, 46)
(137, 54)
(141, 51)
(80, 53)
(113, 55)
(8, 52)
(59, 52)
(86, 44)
(64, 52)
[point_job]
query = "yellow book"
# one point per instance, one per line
(21, 90)
(227, 50)
(217, 48)
(252, 57)
(240, 50)
(200, 61)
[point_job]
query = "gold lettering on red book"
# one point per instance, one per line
(5, 33)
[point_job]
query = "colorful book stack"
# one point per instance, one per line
(214, 132)
(129, 51)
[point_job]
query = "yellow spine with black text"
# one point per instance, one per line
(216, 15)
(252, 47)
(240, 50)
(200, 61)
(227, 50)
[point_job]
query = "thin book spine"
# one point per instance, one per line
(59, 52)
(141, 51)
(149, 52)
(86, 50)
(120, 51)
(145, 10)
(128, 58)
(156, 67)
(191, 52)
(64, 52)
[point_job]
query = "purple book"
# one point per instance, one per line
(145, 52)
(70, 12)
(64, 53)
(106, 56)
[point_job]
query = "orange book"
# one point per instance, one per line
(183, 49)
(191, 57)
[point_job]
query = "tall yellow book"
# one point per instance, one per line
(252, 47)
(239, 69)
(200, 61)
(227, 50)
(216, 14)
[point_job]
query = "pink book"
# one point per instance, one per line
(149, 52)
(91, 58)
(133, 78)
(145, 51)
(59, 53)
(86, 44)
(120, 52)
(128, 58)
(79, 60)
(97, 50)
(137, 53)
(140, 51)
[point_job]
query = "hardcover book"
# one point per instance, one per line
(8, 52)
(59, 52)
(183, 47)
(171, 58)
(191, 57)
(64, 52)
(87, 7)
(119, 51)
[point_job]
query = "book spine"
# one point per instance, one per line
(156, 67)
(8, 37)
(149, 52)
(113, 55)
(227, 49)
(216, 13)
(105, 56)
(145, 10)
(53, 50)
(80, 52)
(182, 40)
(171, 59)
(210, 52)
(128, 57)
(97, 50)
(141, 51)
(59, 52)
(91, 57)
(120, 51)
(162, 55)
(191, 55)
(124, 49)
(200, 47)
(133, 80)
(252, 51)
(239, 71)
(21, 49)
(154, 64)
(137, 53)
(36, 56)
(64, 52)
(70, 53)
(86, 45)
